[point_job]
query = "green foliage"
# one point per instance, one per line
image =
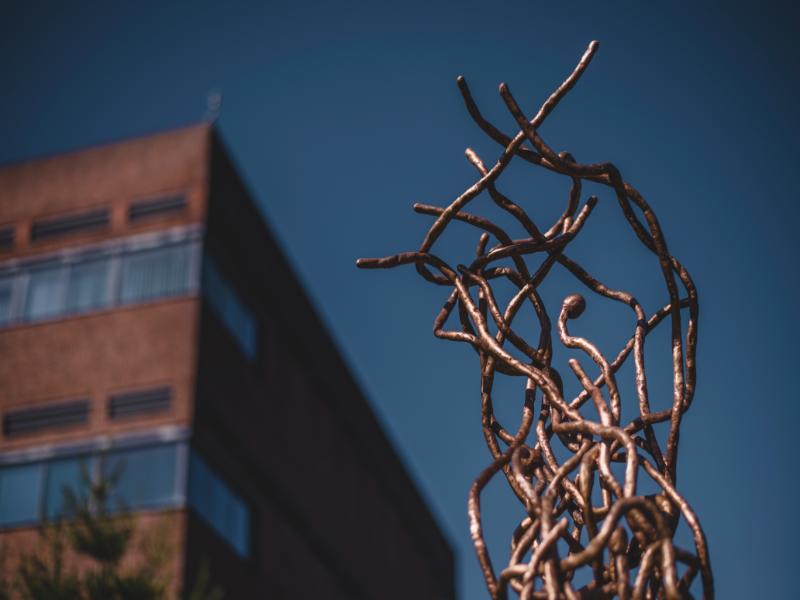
(203, 590)
(5, 585)
(108, 584)
(44, 578)
(93, 530)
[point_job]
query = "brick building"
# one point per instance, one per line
(148, 319)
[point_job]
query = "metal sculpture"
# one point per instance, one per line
(628, 549)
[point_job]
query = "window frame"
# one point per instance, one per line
(231, 491)
(211, 273)
(85, 258)
(103, 459)
(90, 460)
(94, 453)
(42, 476)
(31, 270)
(177, 252)
(19, 271)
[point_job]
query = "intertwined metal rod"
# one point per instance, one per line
(622, 540)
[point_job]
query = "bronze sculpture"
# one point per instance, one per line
(629, 549)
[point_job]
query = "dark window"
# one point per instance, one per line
(48, 228)
(142, 477)
(67, 475)
(6, 290)
(140, 402)
(20, 489)
(85, 281)
(156, 207)
(44, 296)
(219, 505)
(236, 317)
(29, 420)
(87, 285)
(6, 238)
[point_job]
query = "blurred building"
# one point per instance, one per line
(148, 319)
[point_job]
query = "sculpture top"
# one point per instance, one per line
(635, 531)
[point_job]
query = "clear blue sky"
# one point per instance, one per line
(341, 115)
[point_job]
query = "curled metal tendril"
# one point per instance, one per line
(622, 540)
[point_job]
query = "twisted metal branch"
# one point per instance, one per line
(628, 549)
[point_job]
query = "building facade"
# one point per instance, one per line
(149, 324)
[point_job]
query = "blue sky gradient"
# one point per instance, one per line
(341, 115)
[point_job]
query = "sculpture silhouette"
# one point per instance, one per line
(621, 539)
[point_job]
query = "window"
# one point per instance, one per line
(6, 290)
(219, 506)
(238, 320)
(20, 488)
(44, 296)
(62, 475)
(88, 285)
(81, 281)
(142, 477)
(155, 273)
(145, 477)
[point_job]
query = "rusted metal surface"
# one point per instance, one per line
(582, 522)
